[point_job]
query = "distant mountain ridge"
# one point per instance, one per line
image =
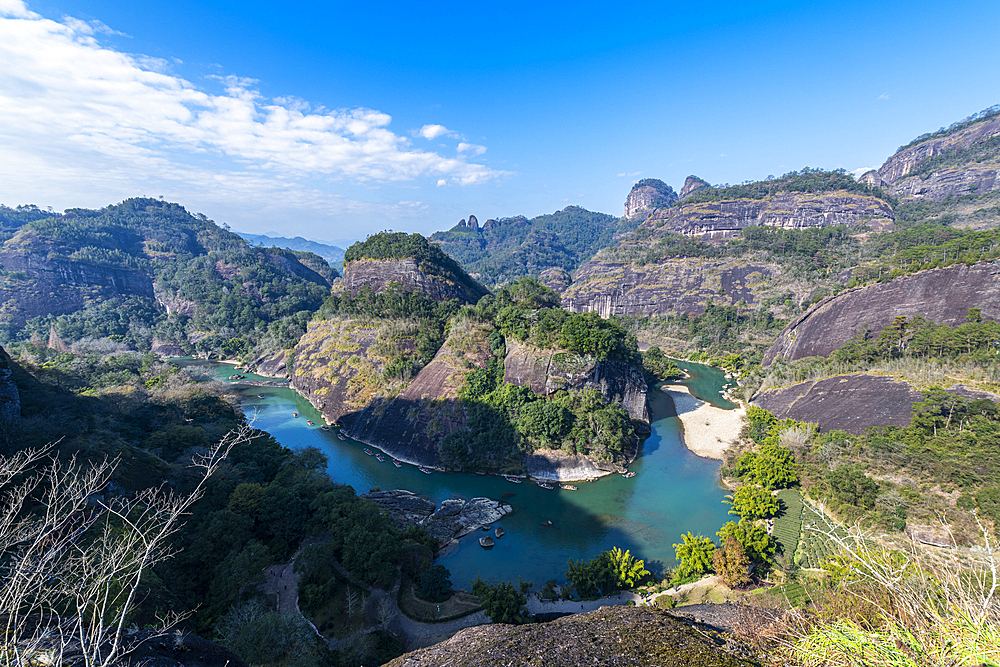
(330, 253)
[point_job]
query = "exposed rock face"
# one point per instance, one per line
(547, 371)
(274, 365)
(555, 279)
(59, 286)
(10, 399)
(453, 520)
(850, 403)
(941, 295)
(904, 161)
(646, 196)
(609, 636)
(377, 274)
(692, 183)
(789, 210)
(559, 466)
(969, 180)
(167, 350)
(669, 286)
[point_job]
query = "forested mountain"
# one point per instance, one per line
(146, 272)
(331, 253)
(503, 250)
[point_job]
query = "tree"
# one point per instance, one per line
(74, 567)
(732, 563)
(759, 546)
(502, 602)
(628, 570)
(774, 467)
(694, 555)
(849, 484)
(435, 586)
(752, 502)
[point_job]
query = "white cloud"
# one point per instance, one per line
(77, 116)
(883, 96)
(475, 149)
(441, 183)
(624, 175)
(433, 131)
(861, 171)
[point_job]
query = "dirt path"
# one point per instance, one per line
(538, 606)
(283, 582)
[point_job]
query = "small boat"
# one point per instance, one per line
(545, 485)
(325, 427)
(424, 470)
(567, 487)
(310, 422)
(341, 436)
(397, 463)
(380, 458)
(547, 523)
(369, 452)
(260, 395)
(628, 474)
(511, 478)
(486, 542)
(499, 532)
(295, 414)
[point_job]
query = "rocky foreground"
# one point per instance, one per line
(609, 636)
(454, 519)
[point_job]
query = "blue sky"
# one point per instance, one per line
(335, 120)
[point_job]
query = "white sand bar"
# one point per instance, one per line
(708, 431)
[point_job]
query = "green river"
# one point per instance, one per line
(673, 490)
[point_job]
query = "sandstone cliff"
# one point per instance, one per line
(668, 286)
(789, 210)
(34, 285)
(692, 183)
(609, 636)
(849, 403)
(648, 195)
(547, 371)
(378, 273)
(941, 295)
(904, 161)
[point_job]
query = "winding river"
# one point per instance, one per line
(673, 490)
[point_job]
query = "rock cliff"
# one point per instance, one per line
(609, 636)
(34, 285)
(903, 162)
(941, 295)
(547, 371)
(669, 286)
(789, 210)
(648, 195)
(692, 183)
(378, 273)
(849, 403)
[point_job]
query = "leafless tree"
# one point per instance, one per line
(72, 557)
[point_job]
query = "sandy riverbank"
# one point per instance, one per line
(708, 431)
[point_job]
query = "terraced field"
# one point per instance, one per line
(814, 545)
(788, 523)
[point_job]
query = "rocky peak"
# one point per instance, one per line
(648, 195)
(472, 223)
(692, 183)
(872, 178)
(906, 159)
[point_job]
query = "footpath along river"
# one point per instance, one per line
(673, 490)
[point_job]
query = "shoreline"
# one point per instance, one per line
(706, 430)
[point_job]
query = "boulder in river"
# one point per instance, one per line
(455, 518)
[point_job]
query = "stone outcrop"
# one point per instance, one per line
(788, 210)
(940, 295)
(377, 274)
(850, 403)
(38, 286)
(547, 371)
(615, 635)
(692, 183)
(903, 162)
(648, 195)
(669, 286)
(559, 466)
(168, 350)
(454, 519)
(273, 364)
(951, 182)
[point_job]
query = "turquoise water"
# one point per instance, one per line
(707, 383)
(672, 492)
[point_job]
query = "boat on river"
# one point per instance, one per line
(545, 485)
(341, 436)
(369, 452)
(325, 427)
(567, 487)
(295, 414)
(380, 458)
(628, 474)
(424, 470)
(511, 478)
(397, 463)
(310, 422)
(260, 395)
